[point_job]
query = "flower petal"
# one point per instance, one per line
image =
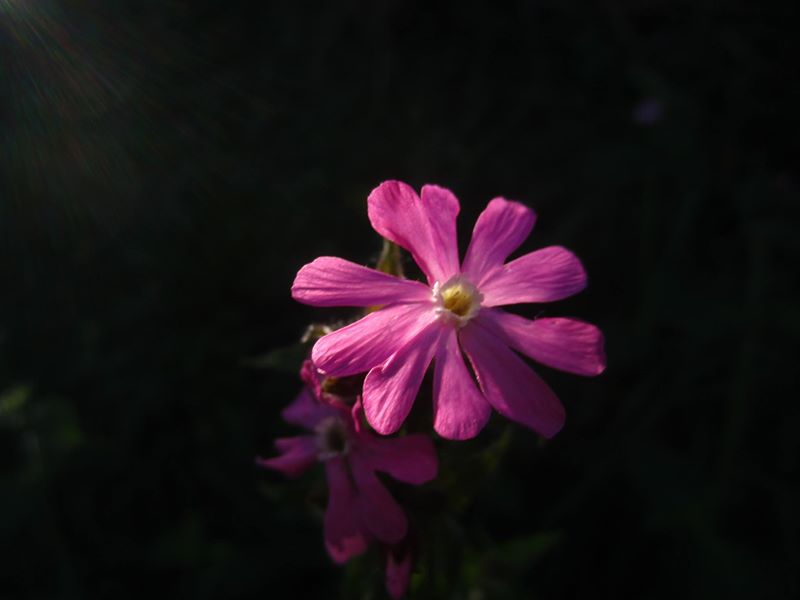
(297, 455)
(509, 385)
(425, 226)
(389, 390)
(344, 534)
(411, 458)
(368, 342)
(398, 573)
(459, 409)
(379, 511)
(565, 344)
(499, 230)
(330, 281)
(546, 275)
(310, 375)
(306, 411)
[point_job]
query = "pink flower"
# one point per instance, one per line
(359, 506)
(457, 311)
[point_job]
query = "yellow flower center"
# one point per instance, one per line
(457, 300)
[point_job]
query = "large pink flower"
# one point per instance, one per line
(457, 311)
(360, 508)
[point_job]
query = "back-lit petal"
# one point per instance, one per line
(344, 534)
(306, 411)
(459, 409)
(297, 454)
(425, 226)
(545, 275)
(390, 389)
(510, 385)
(566, 344)
(369, 341)
(330, 281)
(411, 458)
(379, 511)
(500, 229)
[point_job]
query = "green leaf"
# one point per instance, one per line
(13, 400)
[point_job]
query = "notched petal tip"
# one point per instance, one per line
(390, 191)
(519, 211)
(432, 193)
(425, 226)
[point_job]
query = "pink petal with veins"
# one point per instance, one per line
(564, 344)
(425, 226)
(329, 281)
(459, 409)
(368, 342)
(510, 386)
(545, 275)
(500, 229)
(390, 390)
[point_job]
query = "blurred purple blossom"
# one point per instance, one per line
(648, 112)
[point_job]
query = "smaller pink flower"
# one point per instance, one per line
(360, 508)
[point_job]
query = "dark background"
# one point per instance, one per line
(169, 165)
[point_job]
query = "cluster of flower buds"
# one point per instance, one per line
(364, 378)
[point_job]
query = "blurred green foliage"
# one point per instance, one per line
(170, 164)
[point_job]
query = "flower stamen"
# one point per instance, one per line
(457, 301)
